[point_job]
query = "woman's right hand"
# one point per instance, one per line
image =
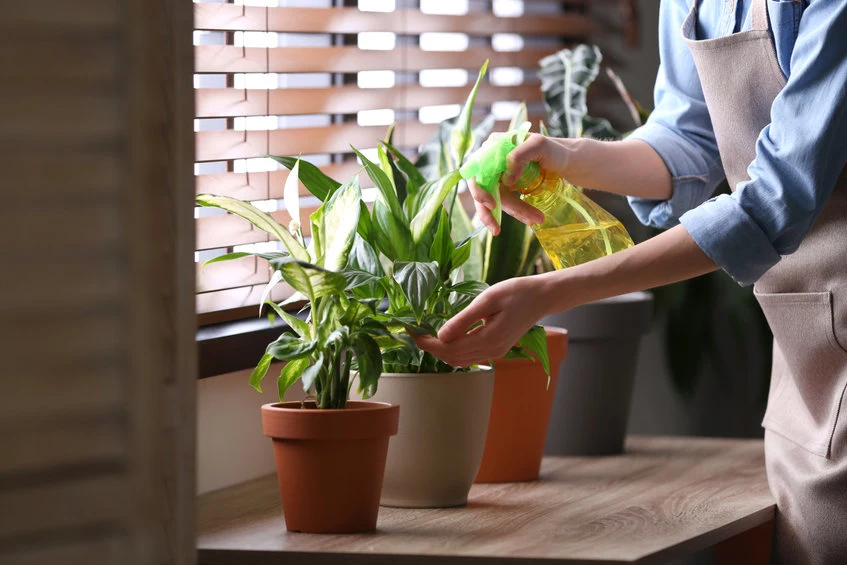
(548, 152)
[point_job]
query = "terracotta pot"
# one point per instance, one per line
(520, 413)
(434, 458)
(330, 463)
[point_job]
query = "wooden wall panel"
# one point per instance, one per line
(96, 298)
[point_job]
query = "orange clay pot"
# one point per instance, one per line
(520, 414)
(330, 463)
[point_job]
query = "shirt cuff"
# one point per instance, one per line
(731, 238)
(689, 177)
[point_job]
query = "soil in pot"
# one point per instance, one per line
(443, 422)
(330, 463)
(520, 414)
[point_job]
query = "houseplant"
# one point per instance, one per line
(592, 403)
(523, 387)
(323, 445)
(402, 253)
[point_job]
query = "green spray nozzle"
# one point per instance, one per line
(488, 162)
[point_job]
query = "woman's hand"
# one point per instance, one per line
(551, 154)
(508, 310)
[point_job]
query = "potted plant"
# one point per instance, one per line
(523, 386)
(327, 444)
(593, 398)
(405, 255)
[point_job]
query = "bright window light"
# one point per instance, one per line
(370, 153)
(507, 42)
(260, 81)
(259, 165)
(444, 41)
(504, 110)
(255, 123)
(375, 117)
(443, 77)
(506, 76)
(369, 194)
(267, 205)
(454, 7)
(375, 79)
(507, 8)
(376, 5)
(261, 39)
(437, 114)
(377, 40)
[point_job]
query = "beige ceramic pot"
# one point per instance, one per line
(435, 456)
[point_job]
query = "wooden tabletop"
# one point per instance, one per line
(666, 497)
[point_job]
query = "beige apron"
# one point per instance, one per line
(804, 298)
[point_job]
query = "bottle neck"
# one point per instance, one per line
(531, 178)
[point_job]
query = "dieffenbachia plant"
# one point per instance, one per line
(370, 276)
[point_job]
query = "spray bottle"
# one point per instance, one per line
(575, 228)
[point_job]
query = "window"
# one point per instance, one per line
(312, 77)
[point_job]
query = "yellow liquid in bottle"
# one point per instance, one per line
(575, 228)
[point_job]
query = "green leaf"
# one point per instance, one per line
(340, 220)
(289, 375)
(508, 253)
(289, 346)
(311, 372)
(300, 327)
(415, 178)
(461, 254)
(599, 128)
(430, 204)
(311, 280)
(441, 250)
(291, 195)
(519, 118)
(461, 140)
(542, 127)
(565, 77)
(391, 236)
(226, 257)
(383, 184)
(260, 371)
(365, 228)
(369, 361)
(469, 288)
(258, 218)
(535, 341)
(364, 258)
(418, 281)
(315, 181)
(275, 278)
(356, 278)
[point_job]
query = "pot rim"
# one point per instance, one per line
(481, 370)
(366, 419)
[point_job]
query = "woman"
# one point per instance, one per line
(754, 91)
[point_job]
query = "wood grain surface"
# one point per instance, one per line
(666, 497)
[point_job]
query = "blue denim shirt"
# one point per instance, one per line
(799, 155)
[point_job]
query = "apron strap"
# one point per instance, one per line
(759, 15)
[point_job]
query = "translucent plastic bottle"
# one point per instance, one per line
(575, 229)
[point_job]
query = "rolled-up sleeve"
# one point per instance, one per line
(799, 157)
(679, 129)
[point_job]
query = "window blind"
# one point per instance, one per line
(313, 77)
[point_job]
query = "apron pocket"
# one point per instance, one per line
(809, 369)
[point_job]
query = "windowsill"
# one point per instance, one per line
(235, 346)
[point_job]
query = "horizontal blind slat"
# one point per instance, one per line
(228, 102)
(231, 17)
(263, 186)
(246, 296)
(228, 144)
(230, 59)
(216, 232)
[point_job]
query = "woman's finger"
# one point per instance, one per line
(514, 206)
(480, 195)
(532, 149)
(478, 310)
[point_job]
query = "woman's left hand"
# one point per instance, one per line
(508, 310)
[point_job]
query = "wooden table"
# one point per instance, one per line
(665, 498)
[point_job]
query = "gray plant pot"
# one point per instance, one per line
(592, 402)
